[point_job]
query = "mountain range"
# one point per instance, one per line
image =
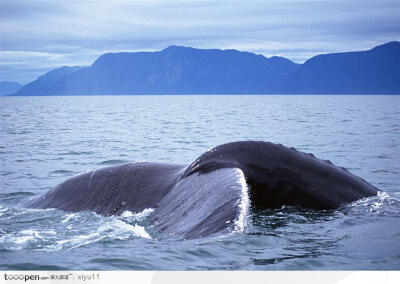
(186, 70)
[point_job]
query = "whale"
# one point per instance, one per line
(214, 194)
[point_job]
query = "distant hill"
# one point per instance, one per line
(185, 70)
(375, 71)
(8, 87)
(43, 84)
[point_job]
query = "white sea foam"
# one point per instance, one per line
(2, 210)
(23, 238)
(382, 204)
(118, 229)
(137, 216)
(68, 218)
(70, 232)
(75, 241)
(140, 232)
(113, 229)
(32, 233)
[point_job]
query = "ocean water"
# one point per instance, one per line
(45, 140)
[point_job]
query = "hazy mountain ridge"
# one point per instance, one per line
(44, 83)
(9, 87)
(176, 69)
(365, 72)
(186, 70)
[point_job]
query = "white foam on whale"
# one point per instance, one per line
(244, 202)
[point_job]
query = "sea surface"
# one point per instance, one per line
(45, 140)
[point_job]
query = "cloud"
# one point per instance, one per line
(76, 32)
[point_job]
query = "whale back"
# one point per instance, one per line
(204, 204)
(213, 193)
(278, 175)
(112, 190)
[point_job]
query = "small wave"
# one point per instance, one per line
(13, 198)
(271, 219)
(61, 172)
(2, 210)
(68, 218)
(384, 171)
(74, 242)
(383, 157)
(123, 230)
(73, 153)
(112, 162)
(26, 238)
(16, 194)
(33, 266)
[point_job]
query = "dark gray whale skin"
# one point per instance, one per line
(208, 196)
(278, 175)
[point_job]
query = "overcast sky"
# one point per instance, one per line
(37, 36)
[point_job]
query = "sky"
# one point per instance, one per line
(37, 36)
